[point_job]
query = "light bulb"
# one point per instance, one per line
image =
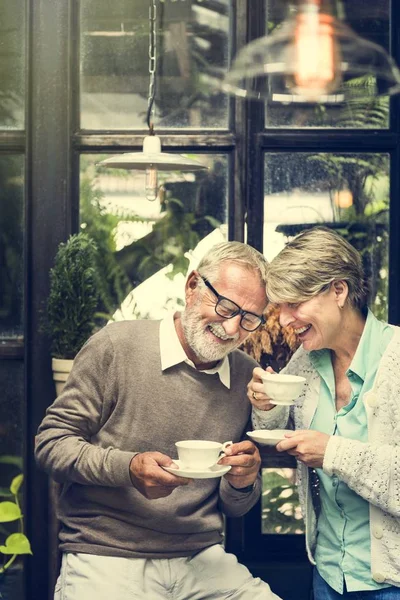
(314, 54)
(151, 185)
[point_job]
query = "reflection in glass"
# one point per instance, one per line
(148, 247)
(348, 192)
(280, 508)
(11, 245)
(192, 51)
(370, 20)
(12, 64)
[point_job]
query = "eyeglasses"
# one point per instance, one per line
(228, 309)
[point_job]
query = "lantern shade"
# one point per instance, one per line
(265, 68)
(152, 156)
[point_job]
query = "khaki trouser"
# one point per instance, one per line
(211, 574)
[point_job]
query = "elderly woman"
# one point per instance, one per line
(346, 421)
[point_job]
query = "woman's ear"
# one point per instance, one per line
(341, 290)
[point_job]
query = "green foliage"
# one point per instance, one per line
(365, 224)
(100, 224)
(366, 110)
(280, 504)
(15, 543)
(182, 224)
(73, 297)
(179, 231)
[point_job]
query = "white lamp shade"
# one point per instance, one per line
(152, 156)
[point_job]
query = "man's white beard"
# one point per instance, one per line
(204, 347)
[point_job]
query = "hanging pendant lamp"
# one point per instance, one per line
(152, 159)
(309, 59)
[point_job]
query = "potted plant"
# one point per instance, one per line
(72, 303)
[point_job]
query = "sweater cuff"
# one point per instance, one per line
(119, 463)
(336, 448)
(339, 456)
(229, 493)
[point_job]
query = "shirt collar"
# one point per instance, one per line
(368, 350)
(366, 354)
(172, 353)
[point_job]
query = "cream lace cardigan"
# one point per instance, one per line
(371, 469)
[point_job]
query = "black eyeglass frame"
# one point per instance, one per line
(239, 310)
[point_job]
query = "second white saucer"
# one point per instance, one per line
(268, 437)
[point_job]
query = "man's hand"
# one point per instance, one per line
(255, 390)
(245, 460)
(306, 445)
(148, 476)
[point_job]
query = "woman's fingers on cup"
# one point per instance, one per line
(257, 374)
(257, 396)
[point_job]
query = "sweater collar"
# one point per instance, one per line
(172, 353)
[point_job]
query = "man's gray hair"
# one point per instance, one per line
(234, 252)
(310, 262)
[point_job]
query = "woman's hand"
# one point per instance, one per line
(306, 445)
(255, 390)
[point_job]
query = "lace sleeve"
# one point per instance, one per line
(371, 470)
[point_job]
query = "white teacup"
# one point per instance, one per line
(282, 389)
(199, 454)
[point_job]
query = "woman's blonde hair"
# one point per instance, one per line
(310, 262)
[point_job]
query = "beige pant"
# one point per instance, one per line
(210, 575)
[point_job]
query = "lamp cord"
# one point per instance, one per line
(152, 63)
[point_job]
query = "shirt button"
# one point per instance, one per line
(372, 400)
(377, 532)
(378, 577)
(334, 481)
(342, 514)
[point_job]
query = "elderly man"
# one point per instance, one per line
(130, 529)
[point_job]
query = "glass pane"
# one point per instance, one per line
(12, 64)
(191, 51)
(280, 508)
(11, 452)
(146, 248)
(348, 192)
(11, 245)
(370, 20)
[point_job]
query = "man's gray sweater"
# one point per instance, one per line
(118, 402)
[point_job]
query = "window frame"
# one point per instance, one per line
(53, 143)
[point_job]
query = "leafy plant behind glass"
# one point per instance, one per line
(365, 222)
(100, 224)
(16, 543)
(189, 211)
(280, 502)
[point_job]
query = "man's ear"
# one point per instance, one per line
(341, 290)
(192, 283)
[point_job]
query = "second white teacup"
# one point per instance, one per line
(199, 454)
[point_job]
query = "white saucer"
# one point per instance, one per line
(215, 471)
(268, 437)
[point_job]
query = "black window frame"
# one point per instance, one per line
(52, 145)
